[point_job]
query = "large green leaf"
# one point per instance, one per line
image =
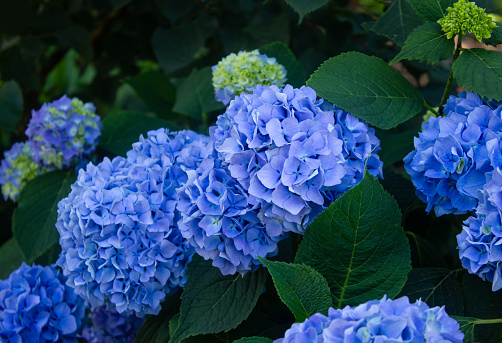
(496, 37)
(397, 22)
(431, 10)
(426, 43)
(480, 71)
(395, 146)
(122, 128)
(33, 222)
(435, 286)
(303, 7)
(368, 88)
(11, 105)
(11, 257)
(296, 74)
(212, 302)
(358, 245)
(254, 340)
(156, 91)
(196, 94)
(154, 328)
(303, 289)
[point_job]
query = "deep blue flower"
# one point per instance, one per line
(453, 154)
(118, 226)
(109, 326)
(63, 132)
(382, 320)
(37, 306)
(293, 153)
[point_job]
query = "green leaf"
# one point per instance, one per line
(467, 327)
(154, 328)
(480, 71)
(11, 105)
(423, 253)
(401, 189)
(122, 128)
(254, 340)
(196, 94)
(431, 10)
(436, 287)
(358, 245)
(397, 22)
(395, 146)
(496, 37)
(303, 7)
(177, 47)
(368, 88)
(11, 257)
(296, 74)
(34, 220)
(212, 302)
(156, 91)
(426, 43)
(304, 290)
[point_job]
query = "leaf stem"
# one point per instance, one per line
(488, 321)
(447, 90)
(427, 106)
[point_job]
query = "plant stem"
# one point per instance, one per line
(447, 90)
(427, 106)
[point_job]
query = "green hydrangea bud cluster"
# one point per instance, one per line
(467, 16)
(241, 72)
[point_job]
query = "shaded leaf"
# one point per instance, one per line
(368, 88)
(154, 327)
(496, 37)
(358, 245)
(467, 325)
(11, 257)
(426, 43)
(122, 128)
(480, 71)
(34, 221)
(303, 7)
(212, 302)
(431, 10)
(296, 75)
(397, 22)
(78, 38)
(395, 146)
(11, 105)
(401, 189)
(304, 290)
(423, 253)
(254, 340)
(196, 94)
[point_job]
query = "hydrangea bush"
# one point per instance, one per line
(287, 217)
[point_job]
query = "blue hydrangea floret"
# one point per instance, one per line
(382, 320)
(37, 306)
(63, 132)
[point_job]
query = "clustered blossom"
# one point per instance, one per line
(118, 226)
(63, 132)
(17, 168)
(382, 320)
(293, 153)
(37, 306)
(242, 72)
(451, 158)
(109, 326)
(221, 222)
(464, 17)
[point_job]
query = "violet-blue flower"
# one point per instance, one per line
(63, 132)
(118, 227)
(451, 158)
(223, 222)
(382, 320)
(292, 152)
(37, 306)
(109, 326)
(17, 168)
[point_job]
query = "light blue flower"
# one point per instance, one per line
(37, 306)
(382, 320)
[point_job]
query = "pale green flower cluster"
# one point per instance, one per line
(241, 72)
(465, 17)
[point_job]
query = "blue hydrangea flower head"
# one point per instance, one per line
(376, 321)
(118, 227)
(241, 72)
(109, 326)
(223, 222)
(451, 159)
(292, 152)
(37, 306)
(17, 168)
(63, 132)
